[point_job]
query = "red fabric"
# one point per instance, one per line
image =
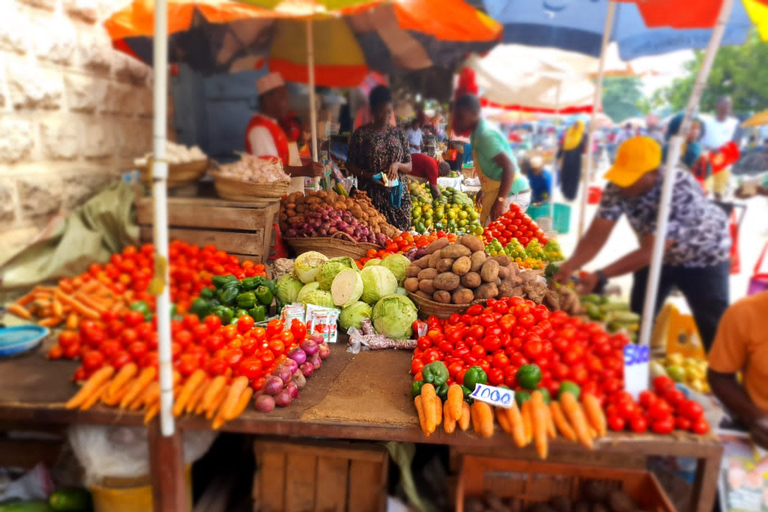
(735, 256)
(278, 135)
(681, 14)
(520, 108)
(291, 127)
(724, 157)
(424, 166)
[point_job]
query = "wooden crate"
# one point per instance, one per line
(321, 476)
(242, 229)
(533, 482)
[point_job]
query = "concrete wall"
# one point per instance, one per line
(73, 111)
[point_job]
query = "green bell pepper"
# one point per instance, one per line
(251, 283)
(226, 314)
(474, 376)
(228, 294)
(200, 307)
(435, 373)
(442, 391)
(258, 313)
(416, 388)
(221, 281)
(207, 293)
(466, 391)
(246, 300)
(140, 306)
(264, 295)
(240, 312)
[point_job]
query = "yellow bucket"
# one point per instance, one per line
(130, 494)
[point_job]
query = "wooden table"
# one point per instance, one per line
(32, 392)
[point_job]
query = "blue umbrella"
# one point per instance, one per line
(577, 25)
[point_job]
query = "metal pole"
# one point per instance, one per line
(649, 309)
(596, 101)
(160, 196)
(312, 99)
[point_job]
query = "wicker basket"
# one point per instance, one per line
(339, 244)
(178, 174)
(429, 308)
(239, 190)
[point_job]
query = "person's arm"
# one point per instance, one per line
(736, 400)
(586, 250)
(311, 170)
(508, 169)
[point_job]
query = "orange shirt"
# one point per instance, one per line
(741, 344)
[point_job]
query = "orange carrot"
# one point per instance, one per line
(213, 392)
(147, 397)
(73, 321)
(465, 417)
(449, 422)
(151, 412)
(214, 406)
(19, 311)
(428, 397)
(94, 398)
(230, 403)
(90, 286)
(58, 309)
(439, 410)
(66, 286)
(482, 419)
(187, 390)
(26, 299)
(525, 413)
(125, 374)
(117, 397)
(51, 321)
(518, 428)
(503, 419)
(77, 306)
(242, 402)
(419, 403)
(455, 398)
(576, 417)
(144, 379)
(91, 302)
(595, 414)
(561, 422)
(197, 397)
(98, 378)
(539, 423)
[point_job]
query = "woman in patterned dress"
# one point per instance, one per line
(377, 148)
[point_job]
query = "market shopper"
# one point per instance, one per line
(696, 257)
(569, 156)
(721, 130)
(415, 137)
(692, 155)
(495, 165)
(540, 180)
(428, 169)
(379, 147)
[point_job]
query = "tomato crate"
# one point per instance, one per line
(244, 229)
(297, 475)
(534, 482)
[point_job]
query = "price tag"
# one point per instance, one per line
(499, 397)
(636, 370)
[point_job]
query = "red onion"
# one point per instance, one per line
(297, 355)
(315, 361)
(283, 398)
(291, 233)
(324, 350)
(290, 364)
(342, 225)
(307, 369)
(272, 385)
(293, 389)
(311, 346)
(299, 379)
(264, 403)
(283, 372)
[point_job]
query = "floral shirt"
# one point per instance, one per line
(698, 227)
(375, 151)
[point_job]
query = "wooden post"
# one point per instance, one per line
(166, 460)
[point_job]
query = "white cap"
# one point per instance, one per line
(269, 82)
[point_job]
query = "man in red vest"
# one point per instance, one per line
(265, 138)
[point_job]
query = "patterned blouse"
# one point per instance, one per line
(698, 227)
(374, 151)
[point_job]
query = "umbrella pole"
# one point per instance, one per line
(160, 195)
(596, 100)
(312, 99)
(649, 308)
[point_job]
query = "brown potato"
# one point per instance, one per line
(477, 258)
(447, 281)
(472, 243)
(412, 271)
(502, 259)
(507, 288)
(444, 265)
(411, 284)
(427, 286)
(437, 245)
(487, 291)
(427, 273)
(442, 296)
(424, 295)
(503, 273)
(490, 271)
(422, 262)
(463, 296)
(434, 258)
(462, 265)
(455, 251)
(471, 280)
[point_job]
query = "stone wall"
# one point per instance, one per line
(73, 111)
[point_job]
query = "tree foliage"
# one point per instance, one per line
(622, 97)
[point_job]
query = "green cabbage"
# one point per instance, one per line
(377, 282)
(307, 266)
(393, 317)
(352, 315)
(347, 287)
(288, 288)
(331, 269)
(398, 264)
(372, 263)
(306, 290)
(318, 298)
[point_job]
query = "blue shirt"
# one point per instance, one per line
(541, 186)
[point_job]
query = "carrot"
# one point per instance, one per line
(439, 411)
(217, 384)
(196, 397)
(77, 306)
(151, 412)
(449, 422)
(125, 374)
(503, 419)
(561, 421)
(26, 299)
(91, 302)
(517, 426)
(482, 419)
(117, 397)
(243, 401)
(20, 311)
(94, 398)
(90, 287)
(230, 403)
(51, 321)
(539, 423)
(144, 379)
(455, 398)
(466, 415)
(428, 397)
(219, 420)
(73, 321)
(58, 309)
(595, 414)
(419, 404)
(147, 397)
(187, 390)
(214, 407)
(525, 412)
(77, 282)
(66, 286)
(575, 415)
(98, 378)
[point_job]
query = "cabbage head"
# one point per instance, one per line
(393, 317)
(306, 290)
(331, 269)
(307, 266)
(398, 264)
(318, 298)
(352, 315)
(372, 263)
(377, 282)
(288, 288)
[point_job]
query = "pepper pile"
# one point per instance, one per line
(230, 298)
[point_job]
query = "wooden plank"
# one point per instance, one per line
(367, 490)
(23, 453)
(211, 217)
(269, 490)
(705, 485)
(166, 460)
(146, 202)
(332, 483)
(300, 487)
(241, 243)
(338, 449)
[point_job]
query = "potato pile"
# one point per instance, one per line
(462, 272)
(595, 497)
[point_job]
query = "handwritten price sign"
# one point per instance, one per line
(498, 397)
(636, 369)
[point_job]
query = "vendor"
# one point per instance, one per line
(741, 346)
(380, 148)
(495, 165)
(428, 169)
(696, 259)
(265, 138)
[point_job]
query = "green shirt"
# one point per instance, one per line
(487, 143)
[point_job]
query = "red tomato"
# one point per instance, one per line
(277, 347)
(233, 356)
(56, 352)
(491, 344)
(660, 410)
(533, 349)
(617, 423)
(274, 327)
(109, 348)
(662, 383)
(299, 330)
(120, 359)
(416, 366)
(691, 410)
(244, 324)
(526, 321)
(80, 375)
(183, 338)
(638, 425)
(217, 367)
(213, 322)
(423, 343)
(190, 321)
(682, 423)
(700, 427)
(229, 332)
(674, 397)
(137, 349)
(250, 367)
(500, 360)
(132, 318)
(188, 364)
(647, 398)
(476, 331)
(663, 426)
(495, 376)
(68, 338)
(627, 410)
(287, 338)
(201, 331)
(93, 360)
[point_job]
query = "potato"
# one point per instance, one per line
(503, 273)
(477, 258)
(447, 281)
(437, 245)
(502, 259)
(455, 251)
(506, 289)
(427, 273)
(412, 271)
(427, 286)
(444, 265)
(442, 296)
(463, 296)
(487, 291)
(434, 258)
(424, 295)
(411, 284)
(461, 266)
(490, 271)
(471, 280)
(472, 243)
(422, 262)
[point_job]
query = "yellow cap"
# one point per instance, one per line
(635, 157)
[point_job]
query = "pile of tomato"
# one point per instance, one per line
(514, 224)
(511, 332)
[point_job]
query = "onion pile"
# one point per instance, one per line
(327, 222)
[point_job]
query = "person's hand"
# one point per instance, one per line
(587, 283)
(563, 276)
(498, 209)
(393, 173)
(758, 430)
(479, 197)
(314, 170)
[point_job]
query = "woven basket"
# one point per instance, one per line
(339, 244)
(239, 190)
(178, 174)
(429, 308)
